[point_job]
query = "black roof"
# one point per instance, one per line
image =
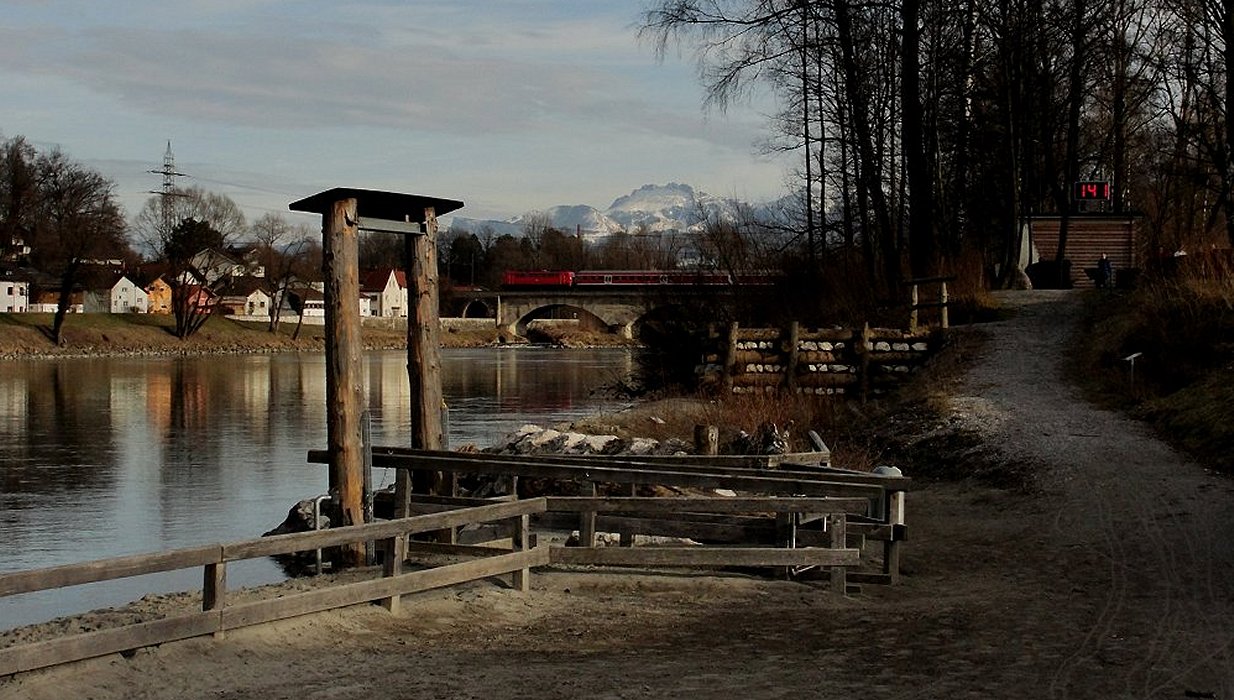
(375, 204)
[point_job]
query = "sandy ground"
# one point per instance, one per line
(1112, 577)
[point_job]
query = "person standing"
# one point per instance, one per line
(1105, 272)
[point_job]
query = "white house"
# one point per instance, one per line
(14, 296)
(387, 290)
(245, 296)
(122, 296)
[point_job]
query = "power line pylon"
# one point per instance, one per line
(166, 194)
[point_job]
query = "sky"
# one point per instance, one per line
(511, 106)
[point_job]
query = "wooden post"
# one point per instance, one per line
(627, 535)
(794, 340)
(587, 520)
(214, 589)
(839, 536)
(730, 358)
(522, 542)
(864, 347)
(423, 357)
(396, 552)
(707, 440)
(912, 306)
(891, 548)
(340, 262)
(942, 300)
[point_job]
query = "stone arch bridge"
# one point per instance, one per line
(617, 310)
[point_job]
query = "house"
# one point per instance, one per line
(311, 303)
(385, 290)
(13, 248)
(159, 294)
(308, 302)
(45, 301)
(114, 294)
(245, 296)
(248, 256)
(15, 288)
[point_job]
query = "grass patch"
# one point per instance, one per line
(1182, 327)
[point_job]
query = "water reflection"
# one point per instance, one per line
(102, 457)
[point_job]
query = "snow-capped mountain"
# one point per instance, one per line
(670, 207)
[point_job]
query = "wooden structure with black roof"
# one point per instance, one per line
(345, 212)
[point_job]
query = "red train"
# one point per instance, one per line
(627, 278)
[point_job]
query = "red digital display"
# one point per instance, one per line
(1092, 190)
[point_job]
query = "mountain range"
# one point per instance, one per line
(671, 207)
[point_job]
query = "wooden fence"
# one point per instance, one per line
(822, 517)
(813, 361)
(874, 504)
(216, 616)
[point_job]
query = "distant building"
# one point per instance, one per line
(14, 294)
(45, 301)
(245, 296)
(383, 293)
(114, 295)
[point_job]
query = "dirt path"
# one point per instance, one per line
(1113, 578)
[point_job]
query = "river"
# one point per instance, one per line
(102, 457)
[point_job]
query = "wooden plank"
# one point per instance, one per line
(835, 527)
(459, 550)
(703, 556)
(214, 586)
(303, 541)
(716, 504)
(29, 657)
(521, 578)
(107, 569)
(773, 482)
(396, 552)
(738, 464)
(258, 612)
(587, 520)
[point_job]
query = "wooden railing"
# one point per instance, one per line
(215, 616)
(875, 503)
(739, 531)
(915, 304)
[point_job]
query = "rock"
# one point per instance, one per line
(300, 519)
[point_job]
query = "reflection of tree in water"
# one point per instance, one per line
(187, 444)
(67, 443)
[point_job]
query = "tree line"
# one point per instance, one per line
(928, 129)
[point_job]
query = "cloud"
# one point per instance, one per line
(461, 77)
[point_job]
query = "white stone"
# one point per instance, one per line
(545, 436)
(920, 347)
(900, 347)
(882, 346)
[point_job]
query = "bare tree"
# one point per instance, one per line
(76, 220)
(284, 250)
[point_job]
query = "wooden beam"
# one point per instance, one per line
(715, 504)
(424, 348)
(793, 483)
(304, 541)
(344, 378)
(29, 657)
(257, 612)
(782, 466)
(703, 556)
(107, 569)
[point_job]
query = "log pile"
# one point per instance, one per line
(812, 361)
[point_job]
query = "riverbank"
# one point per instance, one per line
(1102, 570)
(98, 335)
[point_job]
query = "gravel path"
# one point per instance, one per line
(1113, 577)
